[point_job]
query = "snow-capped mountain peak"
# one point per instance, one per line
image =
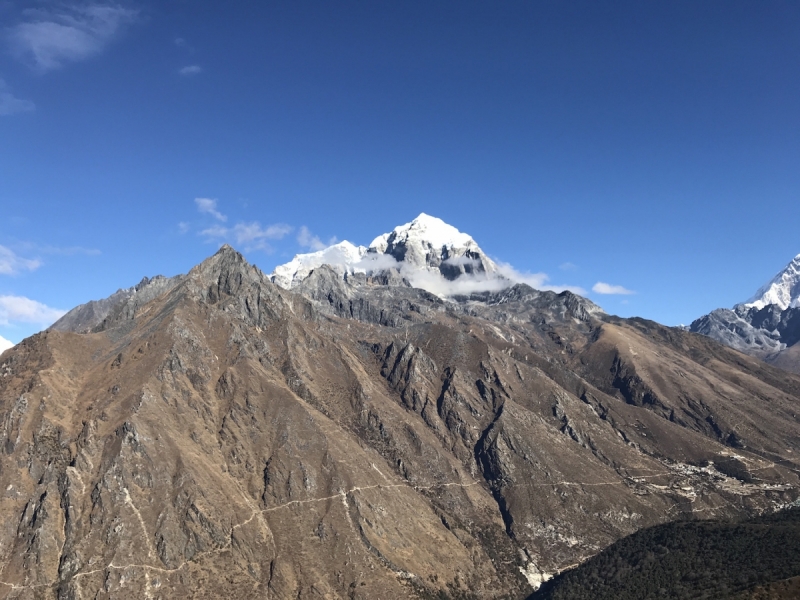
(427, 252)
(425, 229)
(431, 244)
(342, 257)
(782, 290)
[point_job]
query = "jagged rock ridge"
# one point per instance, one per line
(355, 439)
(766, 326)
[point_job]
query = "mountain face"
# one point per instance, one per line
(122, 304)
(783, 290)
(427, 253)
(766, 326)
(358, 437)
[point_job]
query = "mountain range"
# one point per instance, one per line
(403, 420)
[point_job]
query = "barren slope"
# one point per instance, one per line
(356, 440)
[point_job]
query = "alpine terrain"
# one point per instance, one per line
(401, 420)
(767, 325)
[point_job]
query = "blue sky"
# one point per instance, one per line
(649, 145)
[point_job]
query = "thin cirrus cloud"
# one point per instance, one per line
(609, 289)
(308, 240)
(250, 236)
(49, 38)
(12, 264)
(10, 104)
(209, 206)
(19, 309)
(538, 281)
(191, 70)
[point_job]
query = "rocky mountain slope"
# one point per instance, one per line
(766, 326)
(356, 437)
(712, 559)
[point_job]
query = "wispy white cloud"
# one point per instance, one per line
(184, 45)
(250, 236)
(209, 206)
(537, 281)
(215, 231)
(10, 104)
(462, 261)
(11, 263)
(19, 309)
(5, 344)
(306, 239)
(606, 288)
(568, 266)
(377, 262)
(48, 38)
(183, 227)
(191, 70)
(253, 233)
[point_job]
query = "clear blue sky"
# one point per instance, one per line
(649, 145)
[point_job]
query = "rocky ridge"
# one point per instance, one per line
(767, 326)
(357, 437)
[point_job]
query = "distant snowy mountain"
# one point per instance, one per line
(782, 290)
(767, 325)
(426, 253)
(5, 344)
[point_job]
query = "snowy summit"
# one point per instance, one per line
(343, 257)
(782, 290)
(427, 252)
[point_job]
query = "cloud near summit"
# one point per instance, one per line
(12, 264)
(609, 289)
(209, 207)
(19, 309)
(50, 37)
(306, 239)
(248, 235)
